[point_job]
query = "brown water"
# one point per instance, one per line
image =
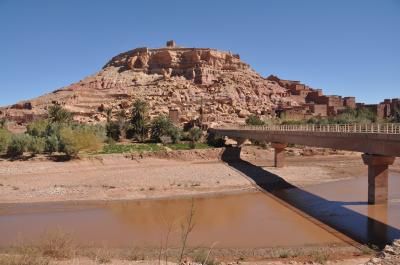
(241, 220)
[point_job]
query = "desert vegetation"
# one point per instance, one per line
(59, 134)
(347, 116)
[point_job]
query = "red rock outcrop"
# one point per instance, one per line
(197, 82)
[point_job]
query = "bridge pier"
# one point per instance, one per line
(378, 172)
(279, 156)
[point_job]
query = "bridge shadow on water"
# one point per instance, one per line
(330, 215)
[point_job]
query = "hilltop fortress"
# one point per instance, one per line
(191, 85)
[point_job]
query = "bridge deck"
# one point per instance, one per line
(382, 139)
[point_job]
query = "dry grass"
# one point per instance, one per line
(57, 244)
(101, 255)
(320, 257)
(25, 256)
(203, 257)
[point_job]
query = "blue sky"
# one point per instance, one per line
(345, 47)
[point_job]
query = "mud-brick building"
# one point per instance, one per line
(349, 102)
(320, 110)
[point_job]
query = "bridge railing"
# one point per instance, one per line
(384, 128)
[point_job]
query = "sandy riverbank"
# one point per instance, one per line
(183, 173)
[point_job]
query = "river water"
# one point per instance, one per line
(257, 219)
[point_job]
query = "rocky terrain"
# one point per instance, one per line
(191, 84)
(390, 255)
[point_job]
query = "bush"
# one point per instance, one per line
(140, 120)
(3, 123)
(81, 139)
(175, 134)
(318, 121)
(113, 130)
(254, 120)
(5, 139)
(58, 114)
(37, 128)
(36, 145)
(18, 145)
(214, 140)
(51, 144)
(163, 126)
(292, 122)
(195, 134)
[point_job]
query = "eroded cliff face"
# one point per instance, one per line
(189, 81)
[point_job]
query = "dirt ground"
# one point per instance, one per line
(183, 173)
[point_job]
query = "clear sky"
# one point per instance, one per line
(345, 47)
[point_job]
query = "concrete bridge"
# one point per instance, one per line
(379, 143)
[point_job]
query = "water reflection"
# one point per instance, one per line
(242, 221)
(378, 231)
(340, 205)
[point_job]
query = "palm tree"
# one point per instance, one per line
(140, 119)
(58, 114)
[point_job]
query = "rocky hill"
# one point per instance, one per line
(186, 83)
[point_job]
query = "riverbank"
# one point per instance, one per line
(142, 177)
(160, 175)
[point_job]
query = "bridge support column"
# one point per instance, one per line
(232, 153)
(378, 169)
(279, 157)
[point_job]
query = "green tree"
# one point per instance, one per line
(194, 135)
(72, 141)
(254, 120)
(113, 130)
(58, 114)
(38, 128)
(52, 144)
(140, 119)
(5, 139)
(36, 145)
(163, 126)
(18, 145)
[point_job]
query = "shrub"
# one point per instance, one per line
(18, 145)
(37, 128)
(214, 140)
(81, 139)
(163, 126)
(195, 134)
(113, 130)
(3, 123)
(292, 122)
(36, 145)
(254, 120)
(175, 134)
(58, 114)
(51, 144)
(318, 121)
(140, 120)
(360, 115)
(57, 244)
(5, 139)
(192, 145)
(396, 113)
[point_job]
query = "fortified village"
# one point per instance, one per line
(201, 86)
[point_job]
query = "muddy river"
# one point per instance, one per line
(318, 215)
